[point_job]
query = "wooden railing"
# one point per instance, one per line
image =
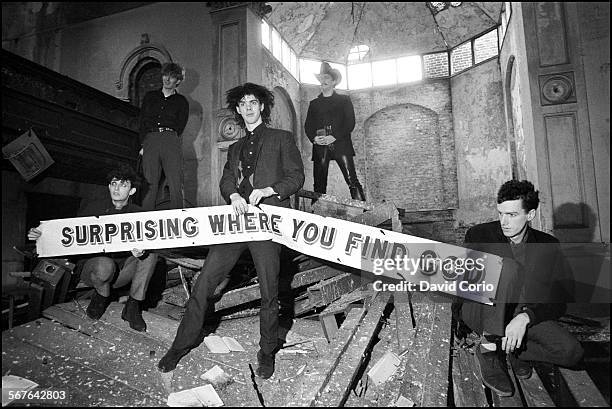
(87, 132)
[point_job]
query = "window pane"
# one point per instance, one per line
(461, 57)
(342, 69)
(485, 46)
(308, 69)
(359, 76)
(409, 69)
(384, 73)
(265, 34)
(286, 58)
(276, 44)
(436, 65)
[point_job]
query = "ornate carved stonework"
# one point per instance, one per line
(227, 126)
(557, 89)
(259, 8)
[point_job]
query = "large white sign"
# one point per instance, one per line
(401, 262)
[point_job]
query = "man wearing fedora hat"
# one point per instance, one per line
(329, 123)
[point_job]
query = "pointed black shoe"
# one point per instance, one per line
(171, 359)
(97, 306)
(493, 371)
(265, 368)
(132, 314)
(522, 369)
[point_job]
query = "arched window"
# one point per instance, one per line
(145, 77)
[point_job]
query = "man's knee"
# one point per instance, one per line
(102, 269)
(572, 354)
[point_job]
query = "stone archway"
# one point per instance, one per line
(146, 52)
(283, 114)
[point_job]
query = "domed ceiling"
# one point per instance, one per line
(328, 30)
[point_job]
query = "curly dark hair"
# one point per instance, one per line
(263, 95)
(125, 172)
(172, 69)
(514, 190)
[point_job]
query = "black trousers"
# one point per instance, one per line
(217, 266)
(163, 151)
(347, 167)
(545, 341)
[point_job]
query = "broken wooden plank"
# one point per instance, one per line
(331, 289)
(84, 386)
(468, 389)
(435, 392)
(335, 390)
(534, 392)
(582, 388)
(306, 391)
(251, 293)
(329, 325)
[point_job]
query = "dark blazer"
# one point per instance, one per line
(547, 281)
(279, 165)
(337, 111)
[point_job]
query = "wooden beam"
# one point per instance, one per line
(309, 387)
(335, 389)
(252, 293)
(534, 392)
(582, 388)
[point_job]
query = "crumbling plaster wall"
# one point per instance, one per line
(483, 159)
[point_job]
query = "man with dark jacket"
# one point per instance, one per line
(115, 270)
(163, 117)
(329, 123)
(532, 292)
(263, 167)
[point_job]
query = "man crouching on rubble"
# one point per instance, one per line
(263, 167)
(533, 288)
(100, 271)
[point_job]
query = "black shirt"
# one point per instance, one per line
(248, 159)
(159, 111)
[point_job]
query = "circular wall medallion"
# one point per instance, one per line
(229, 128)
(557, 89)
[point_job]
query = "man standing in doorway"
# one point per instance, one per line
(163, 117)
(329, 123)
(263, 167)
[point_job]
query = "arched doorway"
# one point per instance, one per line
(145, 77)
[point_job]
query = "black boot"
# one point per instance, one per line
(265, 368)
(357, 192)
(171, 359)
(131, 313)
(97, 306)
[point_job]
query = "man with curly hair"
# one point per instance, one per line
(263, 167)
(534, 286)
(107, 271)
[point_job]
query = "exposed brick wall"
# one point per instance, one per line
(485, 47)
(403, 158)
(431, 99)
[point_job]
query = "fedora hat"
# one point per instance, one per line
(327, 69)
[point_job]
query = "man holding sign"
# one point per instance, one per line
(264, 167)
(106, 271)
